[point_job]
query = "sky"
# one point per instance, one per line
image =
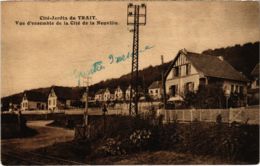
(42, 56)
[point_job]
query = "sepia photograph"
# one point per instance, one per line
(124, 82)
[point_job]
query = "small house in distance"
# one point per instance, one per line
(140, 93)
(99, 95)
(118, 94)
(189, 70)
(107, 95)
(127, 93)
(253, 92)
(155, 90)
(33, 101)
(65, 97)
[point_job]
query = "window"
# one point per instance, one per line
(38, 105)
(183, 70)
(54, 102)
(241, 89)
(173, 90)
(189, 87)
(188, 69)
(176, 71)
(232, 88)
(237, 89)
(156, 91)
(49, 102)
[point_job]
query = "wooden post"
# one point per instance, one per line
(183, 115)
(200, 114)
(170, 116)
(165, 115)
(191, 117)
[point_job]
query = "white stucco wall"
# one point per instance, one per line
(118, 94)
(181, 81)
(52, 101)
(107, 95)
(24, 104)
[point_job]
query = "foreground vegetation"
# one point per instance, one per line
(125, 137)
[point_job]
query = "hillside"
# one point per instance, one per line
(145, 78)
(241, 57)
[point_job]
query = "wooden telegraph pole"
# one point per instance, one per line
(136, 15)
(163, 84)
(85, 115)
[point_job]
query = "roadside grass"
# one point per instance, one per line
(160, 158)
(73, 150)
(80, 152)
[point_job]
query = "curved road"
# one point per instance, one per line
(46, 136)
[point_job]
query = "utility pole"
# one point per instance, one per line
(163, 84)
(136, 15)
(85, 115)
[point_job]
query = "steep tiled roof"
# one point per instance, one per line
(210, 66)
(100, 91)
(255, 71)
(36, 96)
(213, 66)
(68, 93)
(155, 84)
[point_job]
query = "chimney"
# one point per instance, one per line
(184, 51)
(162, 59)
(221, 58)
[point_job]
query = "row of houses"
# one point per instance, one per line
(56, 98)
(65, 98)
(186, 73)
(122, 94)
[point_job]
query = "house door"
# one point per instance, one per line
(173, 90)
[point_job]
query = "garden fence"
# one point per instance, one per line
(240, 115)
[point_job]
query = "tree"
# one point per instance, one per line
(210, 96)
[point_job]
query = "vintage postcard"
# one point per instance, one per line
(129, 82)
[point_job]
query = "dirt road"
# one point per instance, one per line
(47, 136)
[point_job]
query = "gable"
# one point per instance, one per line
(255, 71)
(52, 93)
(180, 66)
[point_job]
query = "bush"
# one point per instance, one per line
(130, 134)
(141, 139)
(237, 142)
(110, 147)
